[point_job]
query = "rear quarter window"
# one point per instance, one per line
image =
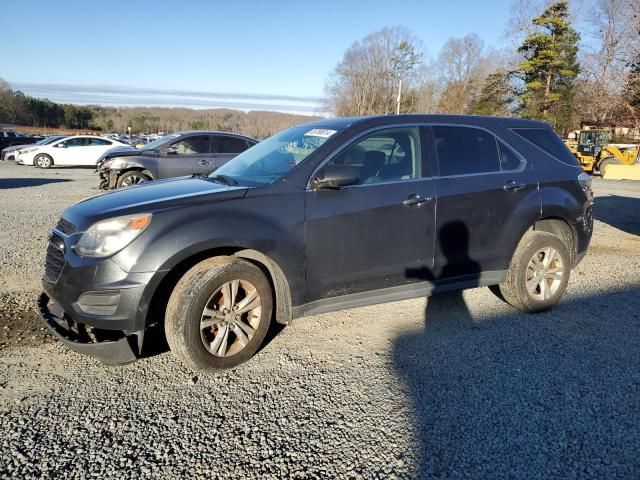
(548, 141)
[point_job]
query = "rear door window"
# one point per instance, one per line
(99, 142)
(224, 144)
(548, 141)
(465, 150)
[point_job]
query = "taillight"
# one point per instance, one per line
(585, 183)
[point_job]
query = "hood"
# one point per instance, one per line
(150, 197)
(14, 147)
(120, 151)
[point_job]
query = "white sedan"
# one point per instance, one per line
(80, 150)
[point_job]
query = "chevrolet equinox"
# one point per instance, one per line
(324, 216)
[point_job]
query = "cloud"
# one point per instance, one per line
(109, 95)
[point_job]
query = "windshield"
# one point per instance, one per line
(46, 141)
(156, 143)
(274, 157)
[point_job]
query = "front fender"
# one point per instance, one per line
(148, 166)
(274, 227)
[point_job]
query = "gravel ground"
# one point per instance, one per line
(459, 386)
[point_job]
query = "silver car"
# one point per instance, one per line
(184, 153)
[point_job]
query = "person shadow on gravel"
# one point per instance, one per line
(444, 306)
(446, 319)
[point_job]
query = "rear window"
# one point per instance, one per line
(548, 141)
(464, 150)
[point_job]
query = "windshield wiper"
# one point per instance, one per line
(223, 179)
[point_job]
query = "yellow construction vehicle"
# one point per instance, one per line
(595, 152)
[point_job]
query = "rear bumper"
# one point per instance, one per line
(584, 231)
(84, 339)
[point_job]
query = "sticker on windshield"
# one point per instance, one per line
(320, 132)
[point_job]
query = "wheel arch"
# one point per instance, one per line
(136, 168)
(160, 293)
(561, 228)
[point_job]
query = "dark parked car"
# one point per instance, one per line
(324, 216)
(175, 155)
(9, 138)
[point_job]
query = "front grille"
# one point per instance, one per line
(55, 259)
(65, 227)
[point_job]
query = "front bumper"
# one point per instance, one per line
(93, 305)
(80, 338)
(108, 179)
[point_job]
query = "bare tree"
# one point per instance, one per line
(463, 67)
(425, 97)
(606, 59)
(365, 80)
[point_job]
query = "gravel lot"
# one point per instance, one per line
(461, 386)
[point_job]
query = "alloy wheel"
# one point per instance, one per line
(42, 161)
(132, 180)
(545, 272)
(230, 318)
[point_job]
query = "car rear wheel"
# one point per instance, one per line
(43, 161)
(219, 313)
(538, 273)
(131, 178)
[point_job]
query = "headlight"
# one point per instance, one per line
(110, 236)
(28, 150)
(112, 163)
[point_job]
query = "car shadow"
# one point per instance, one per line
(513, 395)
(622, 213)
(8, 183)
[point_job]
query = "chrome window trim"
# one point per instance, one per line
(338, 150)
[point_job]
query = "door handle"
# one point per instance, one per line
(203, 162)
(416, 199)
(513, 186)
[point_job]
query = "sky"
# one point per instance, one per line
(272, 55)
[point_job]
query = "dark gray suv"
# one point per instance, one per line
(183, 153)
(323, 216)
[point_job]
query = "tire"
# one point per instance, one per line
(43, 161)
(527, 290)
(605, 162)
(217, 342)
(132, 177)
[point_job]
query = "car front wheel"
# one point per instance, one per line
(131, 178)
(218, 313)
(43, 161)
(538, 273)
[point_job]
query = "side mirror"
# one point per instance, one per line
(335, 176)
(61, 145)
(166, 151)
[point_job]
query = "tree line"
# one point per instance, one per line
(16, 108)
(562, 65)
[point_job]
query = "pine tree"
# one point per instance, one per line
(496, 96)
(550, 67)
(631, 93)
